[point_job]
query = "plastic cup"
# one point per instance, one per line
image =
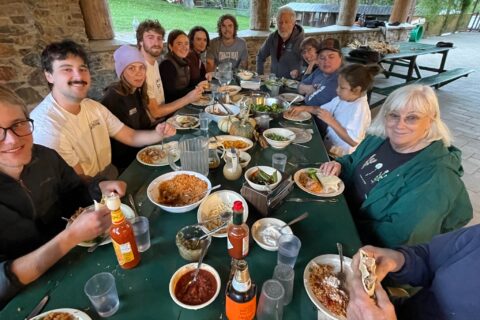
(279, 161)
(285, 275)
(270, 304)
(102, 292)
(288, 248)
(141, 230)
(275, 90)
(204, 119)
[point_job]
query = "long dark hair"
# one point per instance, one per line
(227, 17)
(191, 35)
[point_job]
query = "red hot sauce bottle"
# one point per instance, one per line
(123, 239)
(237, 234)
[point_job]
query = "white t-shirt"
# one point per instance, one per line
(154, 83)
(79, 138)
(354, 116)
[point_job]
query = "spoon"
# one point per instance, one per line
(224, 216)
(297, 219)
(208, 233)
(292, 101)
(207, 190)
(341, 273)
(132, 203)
(205, 245)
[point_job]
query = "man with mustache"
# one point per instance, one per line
(78, 128)
(150, 34)
(37, 189)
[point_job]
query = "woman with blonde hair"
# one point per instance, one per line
(403, 181)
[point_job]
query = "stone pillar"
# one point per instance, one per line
(260, 14)
(347, 12)
(400, 11)
(98, 21)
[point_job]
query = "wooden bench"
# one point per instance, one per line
(437, 81)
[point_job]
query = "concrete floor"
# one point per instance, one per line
(460, 105)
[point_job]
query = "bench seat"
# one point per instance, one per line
(436, 80)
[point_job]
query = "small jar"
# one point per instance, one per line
(190, 249)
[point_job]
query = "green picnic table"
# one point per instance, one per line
(144, 290)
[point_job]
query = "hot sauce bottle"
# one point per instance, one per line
(241, 294)
(237, 234)
(121, 232)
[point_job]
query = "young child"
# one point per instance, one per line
(348, 114)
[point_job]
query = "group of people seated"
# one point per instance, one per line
(401, 171)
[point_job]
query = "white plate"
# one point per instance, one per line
(251, 85)
(333, 260)
(79, 315)
(163, 161)
(302, 116)
(127, 212)
(258, 229)
(301, 135)
(231, 89)
(152, 191)
(296, 178)
(226, 197)
(217, 141)
(205, 100)
(176, 121)
(292, 96)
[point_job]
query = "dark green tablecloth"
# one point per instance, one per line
(144, 290)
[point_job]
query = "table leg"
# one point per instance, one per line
(411, 67)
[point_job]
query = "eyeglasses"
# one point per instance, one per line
(21, 129)
(410, 120)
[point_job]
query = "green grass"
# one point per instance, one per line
(171, 16)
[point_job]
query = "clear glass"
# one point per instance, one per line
(102, 292)
(141, 230)
(275, 91)
(263, 122)
(288, 248)
(204, 119)
(279, 161)
(285, 275)
(270, 304)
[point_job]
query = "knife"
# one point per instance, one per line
(38, 308)
(311, 200)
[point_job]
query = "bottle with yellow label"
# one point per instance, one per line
(121, 232)
(241, 294)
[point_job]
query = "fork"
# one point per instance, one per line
(341, 274)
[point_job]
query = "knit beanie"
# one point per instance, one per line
(126, 55)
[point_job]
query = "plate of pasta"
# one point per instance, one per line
(62, 314)
(227, 142)
(214, 205)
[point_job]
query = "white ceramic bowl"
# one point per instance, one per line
(210, 110)
(186, 268)
(152, 191)
(214, 201)
(265, 239)
(261, 187)
(287, 134)
(244, 158)
(245, 75)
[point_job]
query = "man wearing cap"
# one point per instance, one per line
(283, 46)
(320, 87)
(150, 34)
(76, 127)
(127, 99)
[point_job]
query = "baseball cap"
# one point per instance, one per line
(126, 55)
(330, 44)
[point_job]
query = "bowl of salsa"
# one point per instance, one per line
(199, 294)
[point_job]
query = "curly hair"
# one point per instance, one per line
(222, 19)
(60, 51)
(193, 31)
(148, 25)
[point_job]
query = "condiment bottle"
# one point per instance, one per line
(232, 169)
(237, 234)
(121, 232)
(241, 294)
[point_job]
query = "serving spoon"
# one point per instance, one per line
(205, 245)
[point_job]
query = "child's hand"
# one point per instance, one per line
(325, 116)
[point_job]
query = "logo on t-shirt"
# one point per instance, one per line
(228, 55)
(94, 123)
